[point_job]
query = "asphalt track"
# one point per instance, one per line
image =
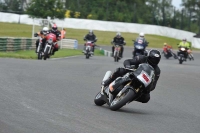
(56, 96)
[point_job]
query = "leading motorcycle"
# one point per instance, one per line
(49, 45)
(127, 88)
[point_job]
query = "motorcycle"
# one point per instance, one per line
(116, 54)
(181, 54)
(49, 45)
(137, 81)
(169, 54)
(139, 48)
(89, 45)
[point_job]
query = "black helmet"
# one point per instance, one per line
(153, 57)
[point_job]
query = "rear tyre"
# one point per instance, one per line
(98, 100)
(119, 102)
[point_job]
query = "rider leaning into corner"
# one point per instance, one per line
(92, 37)
(118, 39)
(153, 58)
(42, 34)
(166, 47)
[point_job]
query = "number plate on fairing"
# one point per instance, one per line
(144, 73)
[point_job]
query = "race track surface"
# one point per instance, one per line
(56, 96)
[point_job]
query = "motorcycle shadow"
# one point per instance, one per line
(133, 111)
(126, 110)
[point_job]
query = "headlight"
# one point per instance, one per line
(139, 47)
(50, 40)
(183, 49)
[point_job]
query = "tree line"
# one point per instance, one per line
(154, 12)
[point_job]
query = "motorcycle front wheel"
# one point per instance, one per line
(119, 102)
(180, 60)
(116, 57)
(46, 53)
(98, 100)
(39, 55)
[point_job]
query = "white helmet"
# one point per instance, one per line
(141, 34)
(118, 34)
(91, 32)
(45, 30)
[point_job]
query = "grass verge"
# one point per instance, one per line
(30, 54)
(104, 37)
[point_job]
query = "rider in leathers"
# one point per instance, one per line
(153, 59)
(141, 39)
(42, 34)
(55, 31)
(118, 39)
(92, 37)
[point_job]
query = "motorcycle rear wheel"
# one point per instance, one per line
(119, 102)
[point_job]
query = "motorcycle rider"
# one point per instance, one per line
(55, 31)
(92, 37)
(41, 34)
(165, 47)
(186, 45)
(168, 48)
(140, 39)
(118, 39)
(153, 58)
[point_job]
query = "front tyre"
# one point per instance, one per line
(39, 55)
(181, 60)
(46, 53)
(119, 102)
(98, 100)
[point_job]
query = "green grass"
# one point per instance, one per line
(30, 54)
(104, 37)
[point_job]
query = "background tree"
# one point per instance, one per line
(46, 8)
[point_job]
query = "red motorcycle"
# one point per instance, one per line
(51, 42)
(89, 45)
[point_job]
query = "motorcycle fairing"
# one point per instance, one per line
(144, 73)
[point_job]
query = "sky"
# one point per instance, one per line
(176, 3)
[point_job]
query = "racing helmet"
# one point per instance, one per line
(91, 32)
(45, 30)
(54, 27)
(184, 39)
(153, 57)
(165, 44)
(141, 34)
(118, 34)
